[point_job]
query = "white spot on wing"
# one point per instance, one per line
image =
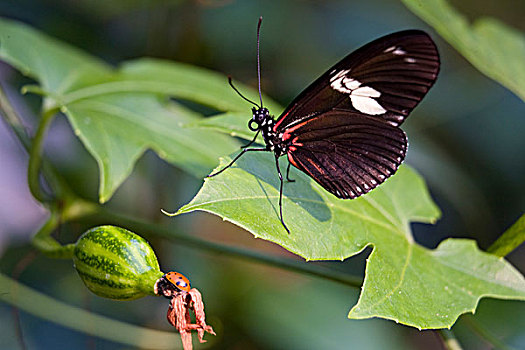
(339, 75)
(410, 60)
(339, 87)
(366, 91)
(362, 97)
(391, 48)
(399, 51)
(367, 105)
(337, 82)
(351, 83)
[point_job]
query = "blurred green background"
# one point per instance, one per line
(467, 139)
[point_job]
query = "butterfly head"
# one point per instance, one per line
(259, 117)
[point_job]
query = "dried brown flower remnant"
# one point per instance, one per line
(179, 316)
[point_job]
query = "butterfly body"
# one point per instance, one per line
(265, 125)
(343, 129)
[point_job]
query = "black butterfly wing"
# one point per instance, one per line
(385, 79)
(345, 152)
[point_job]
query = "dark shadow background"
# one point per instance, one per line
(467, 139)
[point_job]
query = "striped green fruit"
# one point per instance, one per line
(116, 263)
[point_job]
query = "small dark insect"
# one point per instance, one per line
(343, 129)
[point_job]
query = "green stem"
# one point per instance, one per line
(67, 206)
(61, 212)
(13, 120)
(46, 244)
(184, 239)
(510, 239)
(449, 339)
(34, 148)
(48, 308)
(36, 89)
(35, 157)
(484, 334)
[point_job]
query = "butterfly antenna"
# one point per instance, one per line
(259, 59)
(239, 93)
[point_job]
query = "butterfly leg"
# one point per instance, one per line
(281, 194)
(237, 157)
(288, 173)
(252, 141)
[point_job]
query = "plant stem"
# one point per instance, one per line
(449, 339)
(48, 245)
(284, 263)
(484, 334)
(49, 308)
(59, 185)
(13, 119)
(510, 239)
(35, 157)
(67, 206)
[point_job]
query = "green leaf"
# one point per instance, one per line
(118, 128)
(231, 123)
(510, 239)
(192, 83)
(404, 281)
(57, 66)
(494, 48)
(322, 226)
(118, 114)
(431, 288)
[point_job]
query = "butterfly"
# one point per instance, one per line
(343, 130)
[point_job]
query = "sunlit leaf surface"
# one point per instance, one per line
(120, 113)
(404, 281)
